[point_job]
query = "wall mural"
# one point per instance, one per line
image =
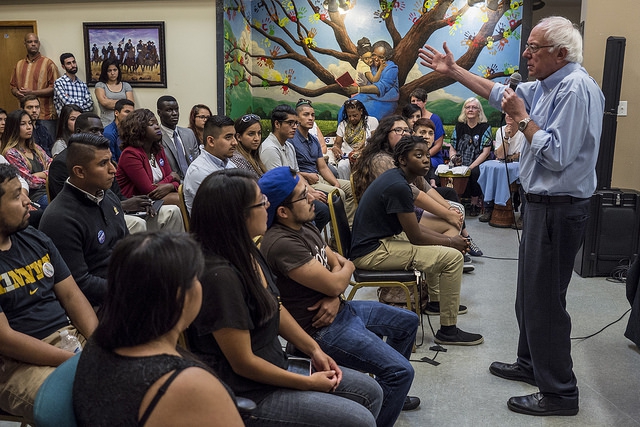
(280, 50)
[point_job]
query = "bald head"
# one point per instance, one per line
(32, 43)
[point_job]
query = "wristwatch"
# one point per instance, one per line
(522, 124)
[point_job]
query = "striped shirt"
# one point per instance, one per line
(38, 74)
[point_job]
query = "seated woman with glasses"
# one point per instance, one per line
(237, 329)
(353, 131)
(131, 371)
(471, 141)
(249, 137)
(143, 168)
(197, 118)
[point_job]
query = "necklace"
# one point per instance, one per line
(152, 160)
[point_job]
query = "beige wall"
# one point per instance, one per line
(622, 21)
(189, 35)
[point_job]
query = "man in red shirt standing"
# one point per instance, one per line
(35, 75)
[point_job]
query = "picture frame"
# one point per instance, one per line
(138, 46)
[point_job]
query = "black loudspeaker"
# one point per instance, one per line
(611, 84)
(612, 232)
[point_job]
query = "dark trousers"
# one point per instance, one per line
(551, 237)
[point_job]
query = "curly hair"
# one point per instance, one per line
(379, 141)
(350, 104)
(133, 130)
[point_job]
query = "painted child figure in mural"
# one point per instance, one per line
(364, 76)
(381, 97)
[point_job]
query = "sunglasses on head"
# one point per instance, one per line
(248, 117)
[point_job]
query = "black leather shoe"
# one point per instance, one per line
(541, 405)
(411, 403)
(513, 372)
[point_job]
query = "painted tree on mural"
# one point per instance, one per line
(297, 42)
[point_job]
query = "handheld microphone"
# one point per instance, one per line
(514, 81)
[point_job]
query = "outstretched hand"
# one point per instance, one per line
(437, 61)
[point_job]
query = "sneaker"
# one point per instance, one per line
(518, 224)
(460, 337)
(467, 259)
(474, 250)
(486, 216)
(433, 308)
(411, 403)
(468, 267)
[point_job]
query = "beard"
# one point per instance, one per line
(72, 71)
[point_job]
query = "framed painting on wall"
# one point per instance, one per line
(138, 47)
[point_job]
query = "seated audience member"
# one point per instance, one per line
(411, 113)
(39, 299)
(69, 89)
(41, 135)
(85, 220)
(352, 134)
(111, 131)
(419, 98)
(19, 148)
(3, 121)
(197, 118)
(110, 88)
(152, 284)
(237, 329)
(180, 144)
(311, 278)
(143, 168)
(219, 146)
(167, 217)
(385, 211)
(472, 140)
(312, 165)
(377, 157)
(249, 136)
(276, 150)
(66, 127)
(510, 137)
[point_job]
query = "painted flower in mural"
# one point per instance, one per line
(312, 35)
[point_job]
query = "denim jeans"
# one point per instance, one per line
(355, 403)
(353, 340)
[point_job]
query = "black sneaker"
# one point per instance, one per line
(460, 337)
(433, 308)
(474, 250)
(411, 403)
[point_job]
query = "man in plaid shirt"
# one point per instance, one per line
(69, 89)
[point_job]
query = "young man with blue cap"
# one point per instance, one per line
(311, 279)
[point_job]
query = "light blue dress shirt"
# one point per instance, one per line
(568, 106)
(203, 166)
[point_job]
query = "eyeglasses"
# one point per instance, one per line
(533, 48)
(248, 117)
(471, 107)
(304, 196)
(263, 203)
(292, 123)
(402, 131)
(202, 117)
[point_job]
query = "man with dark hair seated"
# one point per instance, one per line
(86, 220)
(180, 144)
(122, 109)
(311, 279)
(38, 297)
(220, 143)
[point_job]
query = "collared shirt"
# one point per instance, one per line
(308, 151)
(273, 154)
(40, 73)
(111, 133)
(42, 137)
(561, 158)
(67, 91)
(203, 166)
(169, 132)
(97, 198)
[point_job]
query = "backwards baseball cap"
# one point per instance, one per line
(277, 184)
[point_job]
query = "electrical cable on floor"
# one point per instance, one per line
(596, 333)
(619, 273)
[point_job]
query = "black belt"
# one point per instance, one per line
(553, 200)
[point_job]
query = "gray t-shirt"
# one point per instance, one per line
(106, 114)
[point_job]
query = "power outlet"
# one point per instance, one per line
(622, 109)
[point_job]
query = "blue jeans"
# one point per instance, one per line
(353, 340)
(355, 403)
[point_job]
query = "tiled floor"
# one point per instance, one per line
(461, 392)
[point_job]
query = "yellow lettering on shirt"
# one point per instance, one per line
(19, 277)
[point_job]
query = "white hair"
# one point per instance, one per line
(482, 118)
(562, 33)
